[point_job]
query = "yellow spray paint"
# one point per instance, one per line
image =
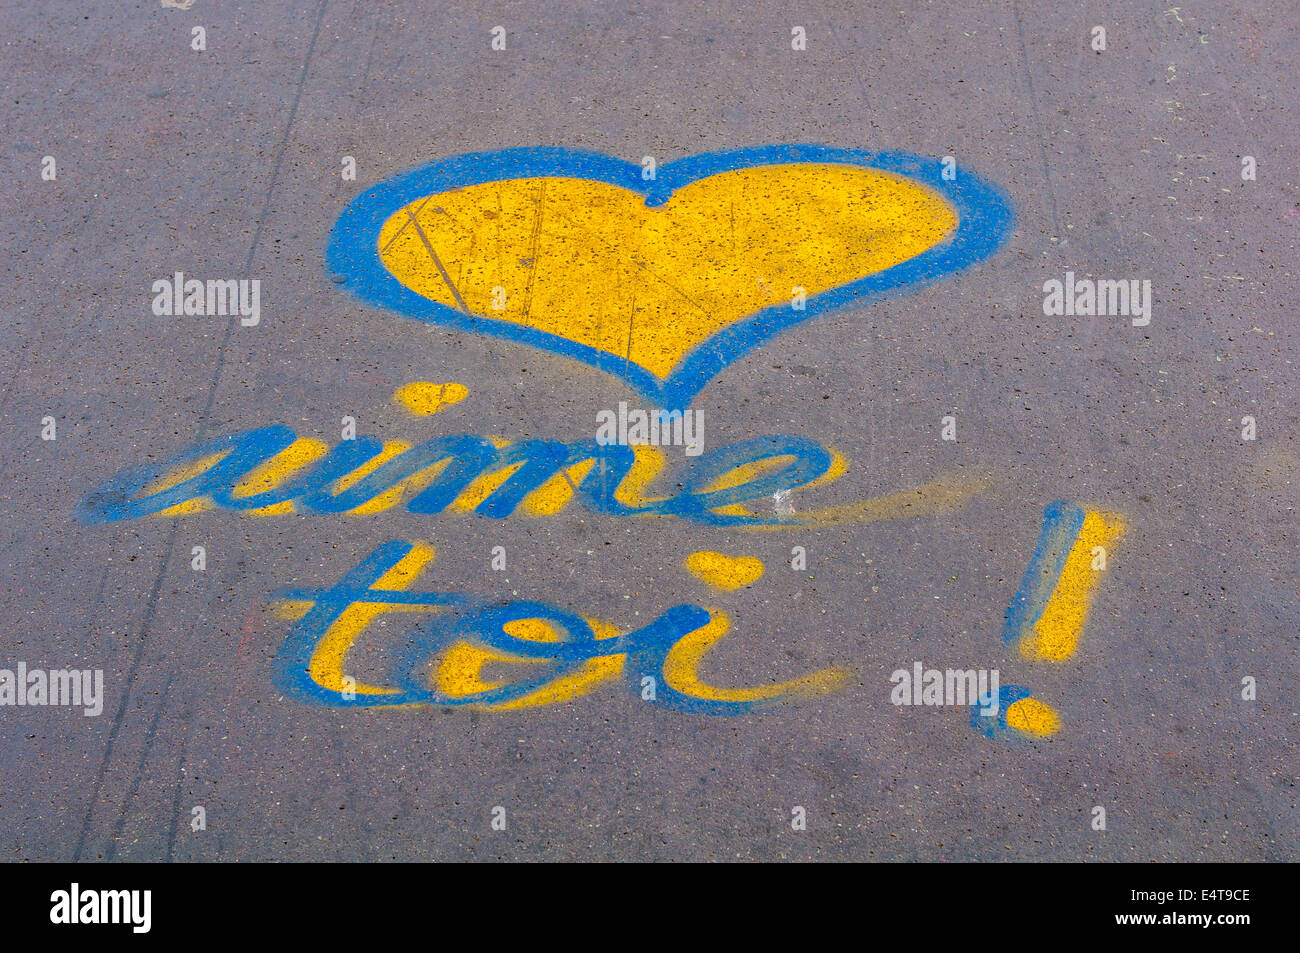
(326, 666)
(1056, 634)
(949, 492)
(485, 485)
(1034, 717)
(275, 471)
(722, 571)
(590, 262)
(460, 672)
(391, 496)
(742, 474)
(681, 670)
(647, 463)
(292, 609)
(554, 495)
(177, 477)
(422, 398)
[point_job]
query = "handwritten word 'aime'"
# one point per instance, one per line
(270, 471)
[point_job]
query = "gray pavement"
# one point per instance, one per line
(225, 163)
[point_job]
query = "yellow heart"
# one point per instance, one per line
(592, 263)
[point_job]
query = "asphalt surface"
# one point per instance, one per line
(225, 163)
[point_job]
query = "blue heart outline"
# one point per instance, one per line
(985, 221)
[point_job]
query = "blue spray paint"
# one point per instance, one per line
(468, 458)
(463, 618)
(1062, 522)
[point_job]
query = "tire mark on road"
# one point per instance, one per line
(203, 428)
(1038, 123)
(152, 733)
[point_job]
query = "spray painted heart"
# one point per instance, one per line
(661, 281)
